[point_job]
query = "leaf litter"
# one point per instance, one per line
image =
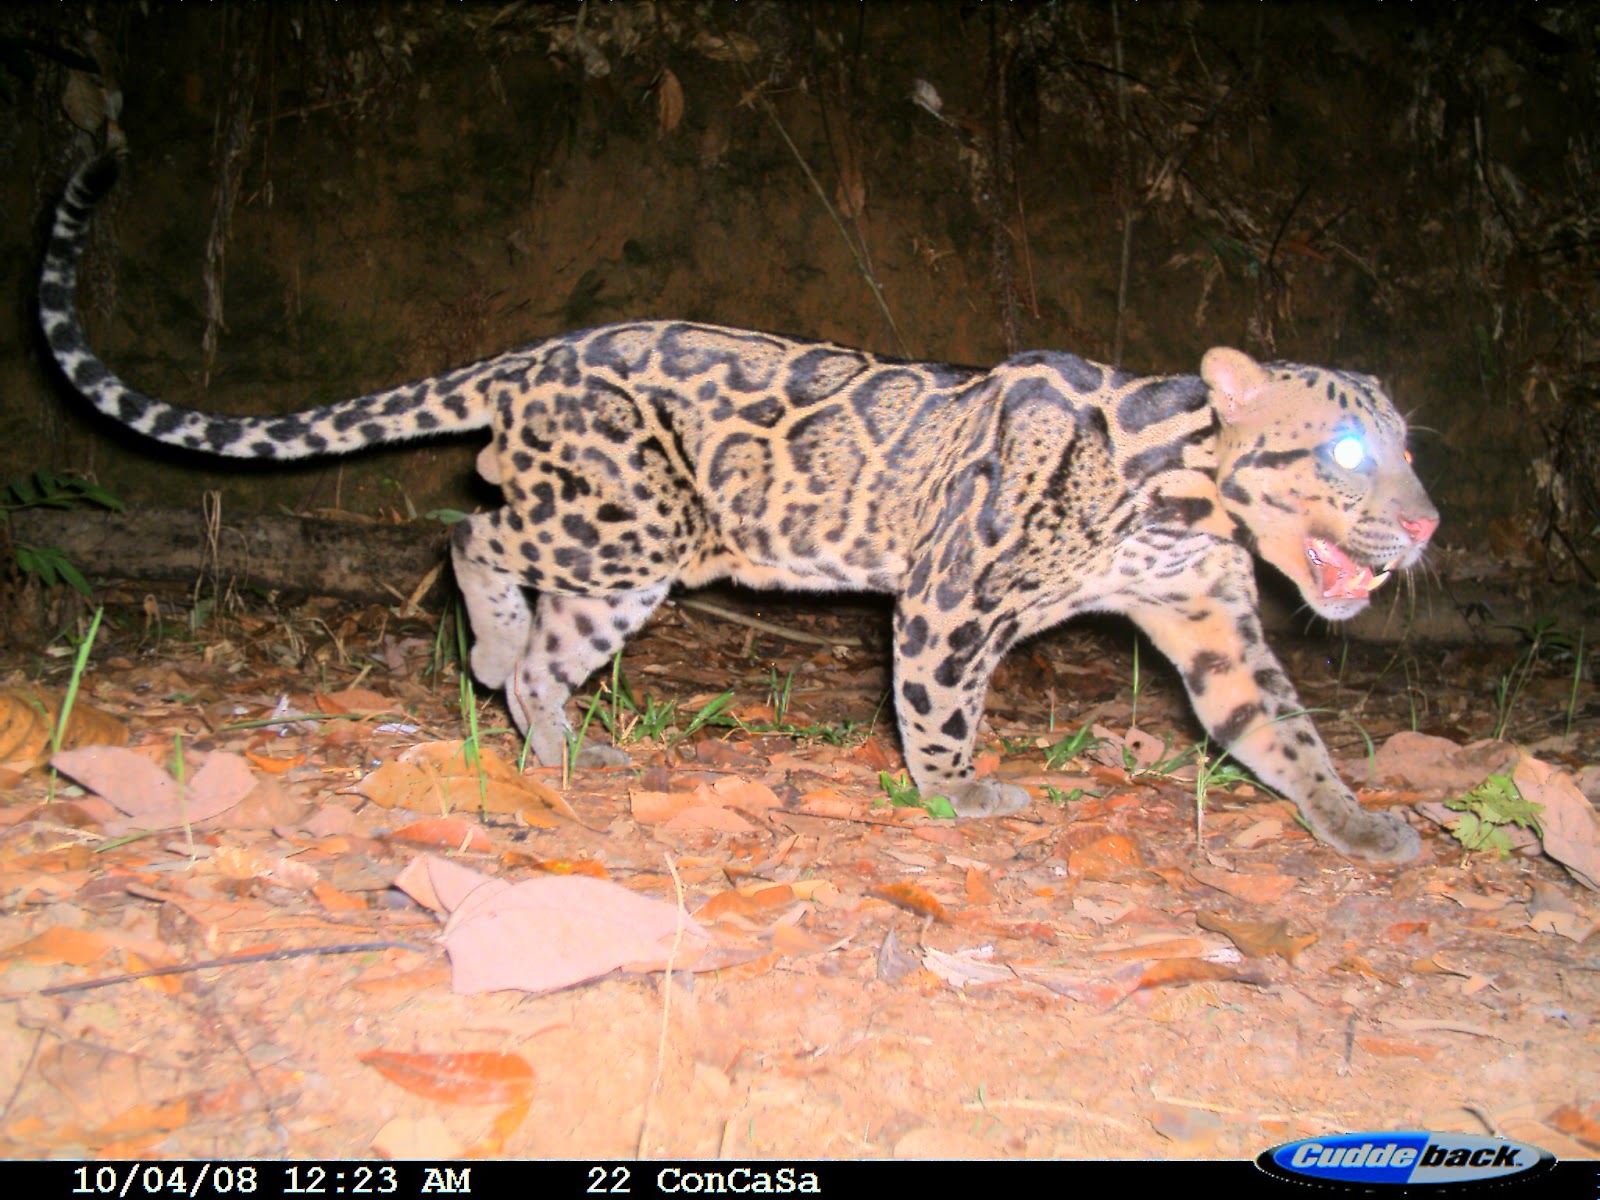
(739, 943)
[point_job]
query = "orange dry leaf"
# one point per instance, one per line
(751, 969)
(669, 101)
(333, 899)
(1171, 971)
(140, 1124)
(443, 777)
(1386, 1047)
(913, 899)
(276, 766)
(873, 755)
(555, 866)
(1576, 1123)
(825, 802)
(169, 985)
(493, 1143)
(353, 700)
(978, 890)
(1258, 889)
(1114, 858)
(1256, 939)
(727, 904)
(1401, 930)
(1145, 952)
(790, 939)
(467, 1077)
(450, 833)
(59, 944)
(27, 723)
(752, 901)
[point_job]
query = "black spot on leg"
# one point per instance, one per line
(1232, 727)
(956, 726)
(917, 696)
(1205, 664)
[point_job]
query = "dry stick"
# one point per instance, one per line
(816, 185)
(62, 989)
(760, 626)
(666, 1006)
(1027, 252)
(1127, 208)
(833, 215)
(1001, 174)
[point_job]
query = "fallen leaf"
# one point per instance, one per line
(464, 1077)
(552, 931)
(61, 944)
(276, 766)
(442, 777)
(362, 701)
(1569, 827)
(1180, 1123)
(1171, 972)
(506, 1121)
(967, 968)
(979, 891)
(1098, 991)
(1385, 1047)
(449, 833)
(1257, 889)
(1578, 1123)
(28, 717)
(1430, 763)
(911, 898)
(1265, 830)
(669, 101)
(712, 817)
(150, 797)
(1114, 858)
(1256, 939)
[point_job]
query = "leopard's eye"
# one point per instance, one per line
(1407, 453)
(1349, 452)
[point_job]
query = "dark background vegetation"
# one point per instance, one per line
(321, 199)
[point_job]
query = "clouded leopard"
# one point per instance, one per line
(991, 504)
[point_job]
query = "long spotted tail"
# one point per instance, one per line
(440, 405)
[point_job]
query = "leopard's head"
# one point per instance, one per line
(1313, 462)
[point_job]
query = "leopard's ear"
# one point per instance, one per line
(1235, 380)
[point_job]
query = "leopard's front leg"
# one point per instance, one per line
(1249, 706)
(942, 663)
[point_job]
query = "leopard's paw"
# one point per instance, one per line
(1379, 838)
(986, 798)
(591, 757)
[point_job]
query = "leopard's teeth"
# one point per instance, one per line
(1377, 581)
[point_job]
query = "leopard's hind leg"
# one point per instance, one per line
(539, 654)
(571, 637)
(497, 606)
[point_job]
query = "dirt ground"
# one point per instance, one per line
(1102, 976)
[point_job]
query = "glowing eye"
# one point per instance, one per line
(1408, 456)
(1349, 452)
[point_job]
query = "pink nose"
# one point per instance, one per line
(1420, 528)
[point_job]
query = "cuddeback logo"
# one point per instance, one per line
(1408, 1159)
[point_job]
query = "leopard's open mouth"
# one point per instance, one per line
(1339, 576)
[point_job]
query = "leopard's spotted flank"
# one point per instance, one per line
(990, 503)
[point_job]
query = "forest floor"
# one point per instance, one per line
(816, 971)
